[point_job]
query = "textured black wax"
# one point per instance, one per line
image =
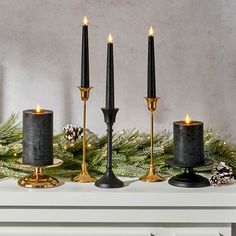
(37, 138)
(110, 100)
(188, 143)
(151, 80)
(85, 58)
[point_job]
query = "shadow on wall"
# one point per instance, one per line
(1, 92)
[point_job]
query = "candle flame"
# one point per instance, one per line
(109, 38)
(187, 119)
(85, 21)
(38, 109)
(151, 32)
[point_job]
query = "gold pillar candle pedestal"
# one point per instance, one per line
(151, 175)
(84, 176)
(38, 179)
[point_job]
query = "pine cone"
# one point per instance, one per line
(72, 133)
(215, 180)
(222, 173)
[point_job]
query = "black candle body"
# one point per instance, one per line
(37, 137)
(188, 143)
(151, 81)
(85, 58)
(110, 100)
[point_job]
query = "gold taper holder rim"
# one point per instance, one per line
(152, 103)
(38, 179)
(151, 175)
(84, 176)
(84, 93)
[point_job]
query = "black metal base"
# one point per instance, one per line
(189, 179)
(109, 180)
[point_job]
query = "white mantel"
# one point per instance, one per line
(137, 209)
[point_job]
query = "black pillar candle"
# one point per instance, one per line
(151, 79)
(85, 56)
(188, 143)
(37, 137)
(110, 100)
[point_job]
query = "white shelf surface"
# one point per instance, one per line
(134, 194)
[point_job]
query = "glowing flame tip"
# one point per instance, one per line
(38, 109)
(151, 32)
(109, 38)
(85, 20)
(187, 119)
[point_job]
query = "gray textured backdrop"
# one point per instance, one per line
(40, 47)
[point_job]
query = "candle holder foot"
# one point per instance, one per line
(151, 176)
(38, 179)
(109, 180)
(189, 179)
(84, 176)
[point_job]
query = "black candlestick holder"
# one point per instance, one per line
(188, 179)
(109, 180)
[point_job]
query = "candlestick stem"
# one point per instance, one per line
(84, 176)
(151, 175)
(151, 138)
(109, 147)
(84, 133)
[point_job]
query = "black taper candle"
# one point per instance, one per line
(37, 137)
(110, 100)
(188, 143)
(151, 80)
(85, 56)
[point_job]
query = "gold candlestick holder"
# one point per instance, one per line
(84, 176)
(151, 175)
(38, 179)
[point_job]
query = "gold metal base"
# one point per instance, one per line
(151, 176)
(38, 179)
(84, 176)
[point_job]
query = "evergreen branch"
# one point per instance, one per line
(10, 130)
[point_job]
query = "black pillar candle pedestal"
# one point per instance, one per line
(188, 154)
(109, 180)
(189, 179)
(37, 137)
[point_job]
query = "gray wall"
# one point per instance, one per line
(40, 47)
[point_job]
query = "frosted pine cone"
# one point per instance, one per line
(215, 180)
(72, 133)
(222, 173)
